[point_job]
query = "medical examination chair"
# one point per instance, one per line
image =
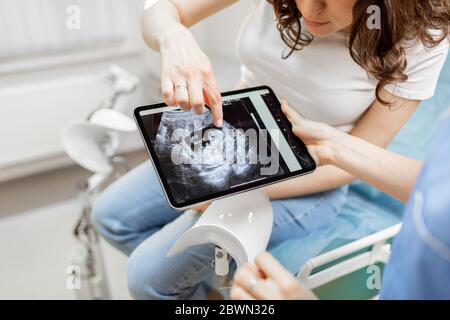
(357, 246)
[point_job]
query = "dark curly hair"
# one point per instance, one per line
(385, 58)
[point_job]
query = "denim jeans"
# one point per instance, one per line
(133, 215)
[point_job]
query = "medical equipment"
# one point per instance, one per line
(239, 226)
(239, 220)
(197, 162)
(92, 144)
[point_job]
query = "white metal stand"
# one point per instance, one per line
(90, 272)
(92, 144)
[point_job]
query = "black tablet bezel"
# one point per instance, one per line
(308, 167)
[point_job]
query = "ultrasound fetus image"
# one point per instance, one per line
(199, 159)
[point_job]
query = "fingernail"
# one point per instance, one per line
(219, 123)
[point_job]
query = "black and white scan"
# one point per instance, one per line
(199, 159)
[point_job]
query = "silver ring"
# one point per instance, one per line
(180, 86)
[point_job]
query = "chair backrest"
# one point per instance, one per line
(348, 258)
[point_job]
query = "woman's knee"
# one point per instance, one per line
(154, 275)
(103, 215)
(149, 280)
(139, 286)
(145, 281)
(120, 205)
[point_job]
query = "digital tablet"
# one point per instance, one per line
(197, 162)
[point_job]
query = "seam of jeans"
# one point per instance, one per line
(433, 242)
(178, 286)
(299, 216)
(118, 223)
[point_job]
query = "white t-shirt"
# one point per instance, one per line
(322, 82)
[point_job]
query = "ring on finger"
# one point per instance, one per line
(179, 86)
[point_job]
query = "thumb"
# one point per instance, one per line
(301, 127)
(291, 114)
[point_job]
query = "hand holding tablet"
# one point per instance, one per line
(197, 162)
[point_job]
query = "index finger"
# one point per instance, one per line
(273, 269)
(288, 111)
(215, 101)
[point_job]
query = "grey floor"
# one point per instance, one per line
(37, 215)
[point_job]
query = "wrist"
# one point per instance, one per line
(172, 34)
(337, 149)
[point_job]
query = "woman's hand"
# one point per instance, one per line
(187, 77)
(320, 138)
(267, 280)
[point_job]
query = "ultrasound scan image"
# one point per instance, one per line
(207, 159)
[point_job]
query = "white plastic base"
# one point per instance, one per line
(240, 225)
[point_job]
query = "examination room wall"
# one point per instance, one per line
(50, 76)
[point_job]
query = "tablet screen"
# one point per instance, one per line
(197, 162)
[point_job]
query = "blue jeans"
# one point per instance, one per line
(133, 215)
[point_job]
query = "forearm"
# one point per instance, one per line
(353, 158)
(176, 15)
(324, 178)
(157, 20)
(360, 154)
(392, 173)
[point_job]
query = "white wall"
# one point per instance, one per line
(35, 106)
(33, 114)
